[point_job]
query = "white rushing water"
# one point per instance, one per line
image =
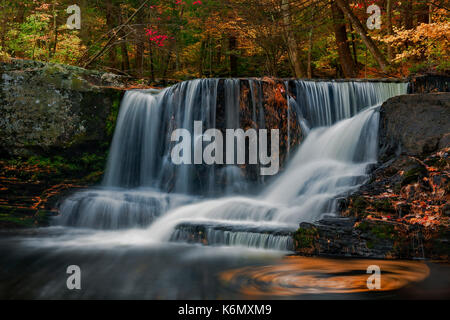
(330, 162)
(142, 188)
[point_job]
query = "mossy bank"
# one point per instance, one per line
(56, 125)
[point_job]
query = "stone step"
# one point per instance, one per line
(248, 235)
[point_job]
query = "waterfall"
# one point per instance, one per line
(143, 188)
(323, 103)
(141, 144)
(330, 162)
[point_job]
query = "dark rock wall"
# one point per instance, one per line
(416, 124)
(429, 83)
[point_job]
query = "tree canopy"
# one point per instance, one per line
(184, 39)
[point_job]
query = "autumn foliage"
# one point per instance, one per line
(183, 39)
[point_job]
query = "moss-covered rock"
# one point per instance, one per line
(50, 108)
(304, 238)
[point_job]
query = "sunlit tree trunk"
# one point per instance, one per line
(354, 49)
(52, 46)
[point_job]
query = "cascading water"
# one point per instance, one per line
(323, 103)
(330, 162)
(143, 188)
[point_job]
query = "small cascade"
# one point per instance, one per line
(222, 204)
(276, 237)
(117, 209)
(329, 163)
(323, 103)
(140, 155)
(140, 152)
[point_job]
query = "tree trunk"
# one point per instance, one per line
(202, 59)
(125, 59)
(407, 14)
(290, 38)
(389, 27)
(370, 44)
(140, 38)
(232, 45)
(111, 24)
(310, 45)
(52, 51)
(340, 32)
(423, 13)
(354, 49)
(166, 68)
(139, 58)
(124, 50)
(152, 67)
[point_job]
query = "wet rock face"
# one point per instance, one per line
(430, 83)
(335, 236)
(416, 124)
(263, 105)
(412, 194)
(49, 107)
(370, 238)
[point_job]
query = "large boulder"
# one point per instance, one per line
(47, 108)
(415, 124)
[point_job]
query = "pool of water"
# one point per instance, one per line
(33, 265)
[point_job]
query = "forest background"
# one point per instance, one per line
(184, 39)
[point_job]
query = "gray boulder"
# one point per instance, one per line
(415, 124)
(46, 108)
